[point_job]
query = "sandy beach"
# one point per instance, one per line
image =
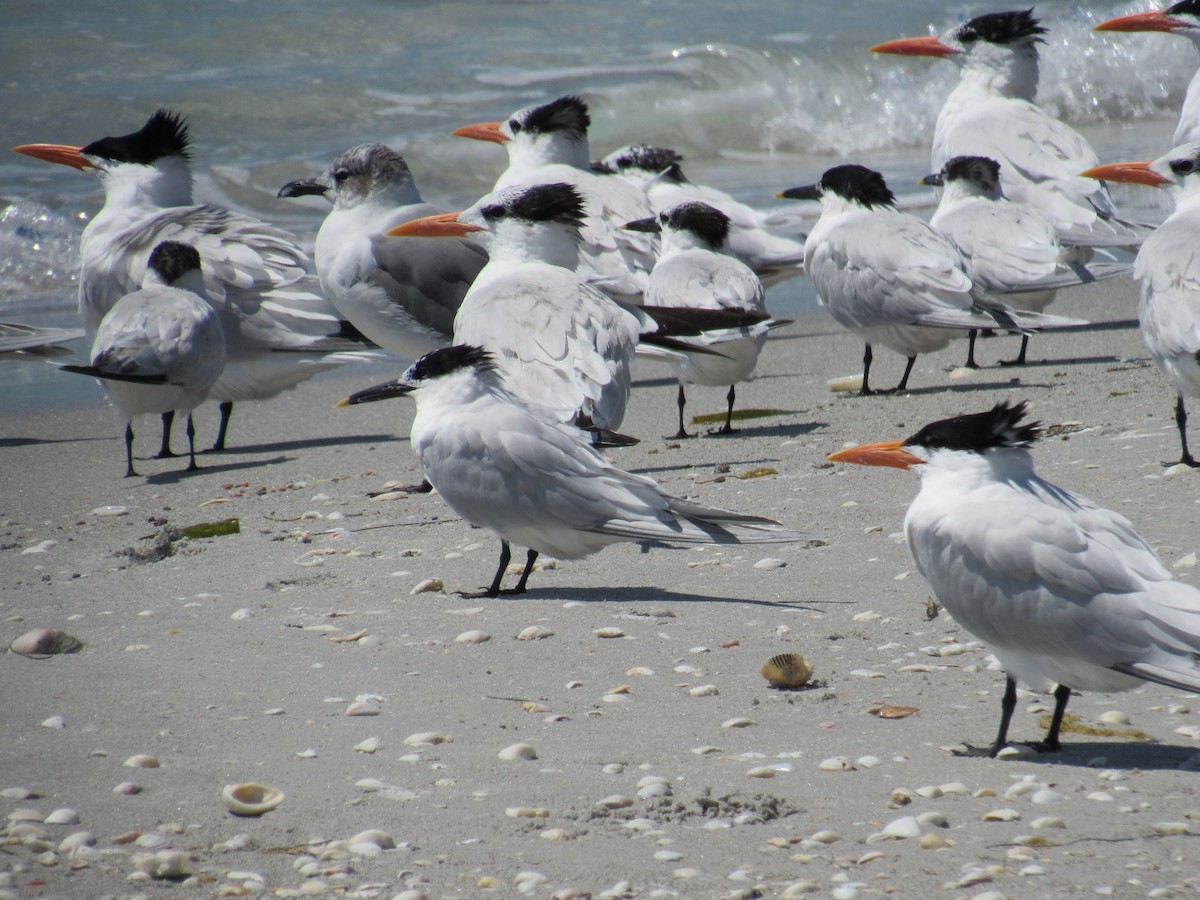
(651, 758)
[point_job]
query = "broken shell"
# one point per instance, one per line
(787, 670)
(43, 642)
(250, 799)
(895, 712)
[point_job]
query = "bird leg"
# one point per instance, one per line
(907, 371)
(972, 336)
(129, 473)
(226, 412)
(681, 401)
(1008, 703)
(728, 427)
(865, 390)
(1020, 360)
(164, 452)
(1050, 744)
(505, 558)
(1181, 421)
(191, 436)
(530, 559)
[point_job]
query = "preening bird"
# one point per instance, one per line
(1062, 591)
(160, 348)
(279, 328)
(992, 112)
(506, 465)
(695, 269)
(402, 293)
(889, 277)
(1169, 273)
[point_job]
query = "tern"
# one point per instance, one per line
(1009, 249)
(506, 465)
(279, 328)
(992, 112)
(161, 348)
(547, 144)
(1183, 19)
(1062, 591)
(1169, 274)
(891, 278)
(772, 244)
(695, 269)
(402, 293)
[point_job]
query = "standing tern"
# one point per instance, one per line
(506, 465)
(772, 244)
(991, 112)
(1169, 273)
(548, 143)
(1183, 19)
(695, 269)
(1062, 591)
(402, 293)
(279, 329)
(160, 348)
(889, 277)
(1008, 248)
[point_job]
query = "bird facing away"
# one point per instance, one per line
(889, 277)
(547, 143)
(1009, 249)
(160, 348)
(992, 112)
(1182, 18)
(1062, 591)
(402, 293)
(513, 468)
(279, 328)
(1169, 274)
(696, 269)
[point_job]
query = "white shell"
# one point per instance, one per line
(473, 637)
(427, 739)
(518, 751)
(250, 799)
(141, 761)
(43, 642)
(64, 816)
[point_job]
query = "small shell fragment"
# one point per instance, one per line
(845, 383)
(250, 799)
(786, 671)
(704, 690)
(534, 633)
(738, 723)
(895, 712)
(427, 586)
(610, 631)
(141, 761)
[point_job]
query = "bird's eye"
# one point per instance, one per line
(664, 218)
(968, 36)
(341, 174)
(1183, 166)
(495, 211)
(514, 126)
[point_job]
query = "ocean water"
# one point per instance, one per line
(757, 99)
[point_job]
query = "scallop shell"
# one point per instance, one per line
(250, 799)
(787, 670)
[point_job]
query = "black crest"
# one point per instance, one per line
(706, 222)
(446, 360)
(1001, 426)
(662, 160)
(858, 183)
(1001, 27)
(566, 114)
(558, 202)
(164, 134)
(976, 169)
(1185, 8)
(172, 260)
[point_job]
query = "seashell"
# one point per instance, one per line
(427, 739)
(250, 799)
(57, 722)
(76, 840)
(127, 787)
(474, 636)
(1001, 815)
(534, 633)
(762, 772)
(25, 815)
(615, 801)
(427, 586)
(738, 723)
(363, 708)
(370, 745)
(654, 790)
(836, 764)
(704, 690)
(770, 562)
(527, 812)
(43, 642)
(141, 761)
(150, 840)
(845, 383)
(1114, 717)
(1170, 827)
(610, 631)
(786, 671)
(895, 712)
(379, 838)
(933, 841)
(556, 834)
(64, 816)
(164, 864)
(108, 511)
(517, 751)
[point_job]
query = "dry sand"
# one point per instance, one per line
(221, 658)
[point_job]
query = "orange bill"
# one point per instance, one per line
(63, 154)
(1155, 20)
(1127, 172)
(441, 225)
(886, 453)
(929, 45)
(483, 131)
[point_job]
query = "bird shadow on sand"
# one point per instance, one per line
(685, 466)
(1116, 754)
(35, 441)
(178, 476)
(305, 444)
(647, 594)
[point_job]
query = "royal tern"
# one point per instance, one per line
(548, 144)
(1009, 249)
(1169, 273)
(991, 112)
(21, 341)
(161, 348)
(694, 269)
(279, 329)
(509, 466)
(1062, 591)
(889, 277)
(772, 244)
(1183, 19)
(402, 293)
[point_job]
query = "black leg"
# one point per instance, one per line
(907, 371)
(1181, 422)
(164, 451)
(191, 436)
(728, 426)
(505, 558)
(1020, 360)
(972, 336)
(530, 559)
(681, 402)
(1050, 744)
(1008, 703)
(129, 473)
(226, 412)
(865, 390)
